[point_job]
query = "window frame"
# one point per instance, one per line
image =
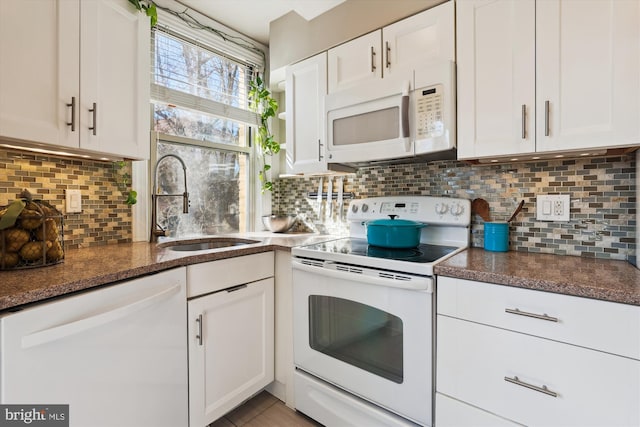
(142, 171)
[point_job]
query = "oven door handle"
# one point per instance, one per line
(387, 278)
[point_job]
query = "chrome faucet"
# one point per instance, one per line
(156, 229)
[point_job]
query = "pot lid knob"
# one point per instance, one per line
(393, 216)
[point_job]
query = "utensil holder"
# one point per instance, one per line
(496, 236)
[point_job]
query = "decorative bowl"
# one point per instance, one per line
(278, 223)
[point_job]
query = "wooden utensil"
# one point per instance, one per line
(517, 211)
(481, 207)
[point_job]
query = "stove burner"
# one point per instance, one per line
(393, 253)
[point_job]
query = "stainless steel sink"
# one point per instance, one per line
(206, 244)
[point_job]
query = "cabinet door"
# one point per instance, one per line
(358, 61)
(588, 90)
(231, 350)
(114, 75)
(39, 75)
(422, 39)
(496, 77)
(306, 86)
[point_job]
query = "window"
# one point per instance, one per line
(200, 113)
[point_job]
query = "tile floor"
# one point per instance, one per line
(264, 410)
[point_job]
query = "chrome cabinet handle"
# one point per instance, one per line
(73, 114)
(199, 335)
(373, 60)
(544, 316)
(546, 118)
(94, 112)
(515, 380)
(388, 49)
(320, 151)
(524, 121)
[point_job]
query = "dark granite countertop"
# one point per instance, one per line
(101, 265)
(608, 280)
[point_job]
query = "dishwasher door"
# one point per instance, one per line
(117, 355)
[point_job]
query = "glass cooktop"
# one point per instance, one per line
(424, 253)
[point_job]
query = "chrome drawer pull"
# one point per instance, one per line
(544, 316)
(543, 389)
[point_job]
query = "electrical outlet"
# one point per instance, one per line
(73, 200)
(553, 207)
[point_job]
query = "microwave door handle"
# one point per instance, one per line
(404, 113)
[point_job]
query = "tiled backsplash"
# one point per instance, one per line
(602, 190)
(105, 218)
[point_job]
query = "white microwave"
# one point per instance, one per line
(394, 119)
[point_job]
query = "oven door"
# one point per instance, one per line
(367, 335)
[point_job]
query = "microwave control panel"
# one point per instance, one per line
(429, 112)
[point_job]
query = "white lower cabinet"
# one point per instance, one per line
(523, 371)
(230, 336)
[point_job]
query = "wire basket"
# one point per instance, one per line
(36, 239)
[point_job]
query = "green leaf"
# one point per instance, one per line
(152, 12)
(10, 216)
(132, 198)
(267, 167)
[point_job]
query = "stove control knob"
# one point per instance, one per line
(365, 208)
(354, 208)
(457, 210)
(442, 208)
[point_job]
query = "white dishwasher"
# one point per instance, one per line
(117, 355)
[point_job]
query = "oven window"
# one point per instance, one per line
(357, 334)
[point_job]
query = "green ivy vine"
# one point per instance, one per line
(123, 181)
(261, 101)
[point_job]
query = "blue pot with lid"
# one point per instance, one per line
(394, 233)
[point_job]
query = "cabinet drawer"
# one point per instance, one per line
(217, 275)
(453, 413)
(601, 325)
(592, 388)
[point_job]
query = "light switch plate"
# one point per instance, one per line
(553, 207)
(73, 199)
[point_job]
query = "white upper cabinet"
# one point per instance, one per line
(39, 73)
(422, 39)
(588, 72)
(306, 86)
(397, 49)
(358, 61)
(496, 77)
(114, 74)
(59, 57)
(547, 76)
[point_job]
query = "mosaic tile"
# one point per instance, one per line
(603, 196)
(105, 218)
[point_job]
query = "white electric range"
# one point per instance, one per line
(363, 315)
